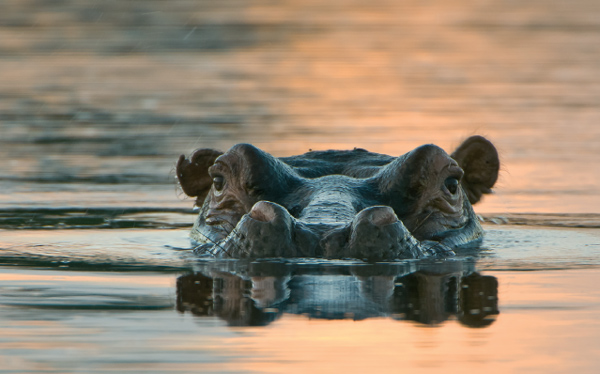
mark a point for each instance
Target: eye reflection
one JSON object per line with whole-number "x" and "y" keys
{"x": 219, "y": 183}
{"x": 452, "y": 185}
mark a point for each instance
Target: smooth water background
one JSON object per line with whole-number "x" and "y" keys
{"x": 98, "y": 99}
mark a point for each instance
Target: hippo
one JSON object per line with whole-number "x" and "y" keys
{"x": 338, "y": 204}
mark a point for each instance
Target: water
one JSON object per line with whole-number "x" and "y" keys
{"x": 99, "y": 99}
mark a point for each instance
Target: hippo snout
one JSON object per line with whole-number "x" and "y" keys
{"x": 374, "y": 234}
{"x": 377, "y": 216}
{"x": 265, "y": 211}
{"x": 266, "y": 231}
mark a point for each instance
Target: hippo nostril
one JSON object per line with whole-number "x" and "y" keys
{"x": 262, "y": 211}
{"x": 382, "y": 216}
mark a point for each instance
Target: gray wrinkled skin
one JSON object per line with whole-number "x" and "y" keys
{"x": 338, "y": 204}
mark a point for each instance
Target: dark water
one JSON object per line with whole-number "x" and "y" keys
{"x": 98, "y": 99}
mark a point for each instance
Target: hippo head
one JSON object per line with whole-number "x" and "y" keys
{"x": 338, "y": 204}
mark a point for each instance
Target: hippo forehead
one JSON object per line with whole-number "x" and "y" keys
{"x": 255, "y": 166}
{"x": 358, "y": 178}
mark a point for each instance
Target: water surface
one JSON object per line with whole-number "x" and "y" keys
{"x": 98, "y": 99}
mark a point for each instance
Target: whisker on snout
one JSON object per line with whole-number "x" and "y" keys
{"x": 419, "y": 224}
{"x": 211, "y": 251}
{"x": 236, "y": 233}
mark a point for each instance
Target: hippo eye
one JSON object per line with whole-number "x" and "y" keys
{"x": 219, "y": 183}
{"x": 451, "y": 184}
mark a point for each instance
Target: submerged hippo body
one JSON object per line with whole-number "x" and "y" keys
{"x": 338, "y": 204}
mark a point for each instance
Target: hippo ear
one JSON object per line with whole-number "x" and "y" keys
{"x": 478, "y": 157}
{"x": 193, "y": 172}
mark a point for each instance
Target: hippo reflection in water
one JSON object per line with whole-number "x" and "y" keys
{"x": 338, "y": 204}
{"x": 259, "y": 293}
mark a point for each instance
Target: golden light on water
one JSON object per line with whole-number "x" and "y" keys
{"x": 521, "y": 338}
{"x": 99, "y": 99}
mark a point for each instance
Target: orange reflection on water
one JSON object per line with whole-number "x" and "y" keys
{"x": 549, "y": 322}
{"x": 80, "y": 277}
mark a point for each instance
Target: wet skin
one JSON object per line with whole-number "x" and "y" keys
{"x": 338, "y": 204}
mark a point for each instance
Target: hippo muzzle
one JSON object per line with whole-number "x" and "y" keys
{"x": 338, "y": 204}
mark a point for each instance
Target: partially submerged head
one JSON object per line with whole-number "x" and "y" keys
{"x": 256, "y": 205}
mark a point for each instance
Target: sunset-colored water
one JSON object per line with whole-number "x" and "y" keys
{"x": 98, "y": 100}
